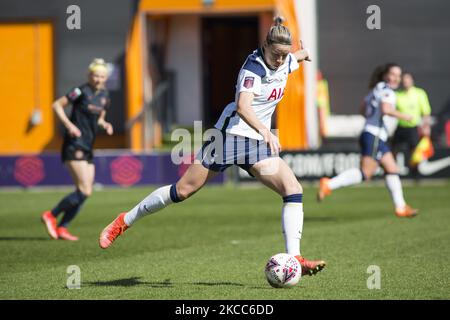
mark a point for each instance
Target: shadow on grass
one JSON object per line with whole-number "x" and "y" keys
{"x": 25, "y": 239}
{"x": 135, "y": 281}
{"x": 217, "y": 284}
{"x": 131, "y": 282}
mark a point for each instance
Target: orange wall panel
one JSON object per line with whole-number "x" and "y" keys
{"x": 291, "y": 110}
{"x": 26, "y": 84}
{"x": 135, "y": 78}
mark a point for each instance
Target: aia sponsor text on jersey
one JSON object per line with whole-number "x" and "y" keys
{"x": 277, "y": 93}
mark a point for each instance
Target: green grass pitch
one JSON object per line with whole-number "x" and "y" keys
{"x": 215, "y": 246}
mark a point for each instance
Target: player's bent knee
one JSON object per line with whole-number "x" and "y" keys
{"x": 86, "y": 190}
{"x": 363, "y": 175}
{"x": 88, "y": 193}
{"x": 367, "y": 175}
{"x": 392, "y": 170}
{"x": 185, "y": 191}
{"x": 293, "y": 187}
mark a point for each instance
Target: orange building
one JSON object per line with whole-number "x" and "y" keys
{"x": 178, "y": 64}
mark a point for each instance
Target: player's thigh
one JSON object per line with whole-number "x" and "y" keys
{"x": 368, "y": 166}
{"x": 275, "y": 173}
{"x": 388, "y": 163}
{"x": 193, "y": 179}
{"x": 82, "y": 173}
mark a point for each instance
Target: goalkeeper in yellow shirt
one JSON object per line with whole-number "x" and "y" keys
{"x": 413, "y": 101}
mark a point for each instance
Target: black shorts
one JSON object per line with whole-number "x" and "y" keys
{"x": 405, "y": 137}
{"x": 73, "y": 152}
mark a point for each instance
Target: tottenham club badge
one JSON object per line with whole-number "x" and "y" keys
{"x": 248, "y": 82}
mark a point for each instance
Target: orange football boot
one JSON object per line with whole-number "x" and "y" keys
{"x": 406, "y": 212}
{"x": 310, "y": 267}
{"x": 112, "y": 231}
{"x": 64, "y": 234}
{"x": 324, "y": 190}
{"x": 50, "y": 223}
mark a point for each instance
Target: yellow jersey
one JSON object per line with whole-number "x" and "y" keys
{"x": 414, "y": 102}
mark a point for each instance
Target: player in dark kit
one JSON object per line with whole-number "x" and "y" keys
{"x": 89, "y": 102}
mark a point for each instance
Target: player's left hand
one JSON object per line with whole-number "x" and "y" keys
{"x": 109, "y": 128}
{"x": 425, "y": 130}
{"x": 304, "y": 52}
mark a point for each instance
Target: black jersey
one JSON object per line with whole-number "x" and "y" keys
{"x": 87, "y": 106}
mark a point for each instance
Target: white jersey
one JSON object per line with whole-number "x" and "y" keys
{"x": 373, "y": 113}
{"x": 268, "y": 88}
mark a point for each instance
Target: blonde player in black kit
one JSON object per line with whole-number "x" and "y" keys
{"x": 89, "y": 101}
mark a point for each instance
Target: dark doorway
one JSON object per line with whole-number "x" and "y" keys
{"x": 226, "y": 44}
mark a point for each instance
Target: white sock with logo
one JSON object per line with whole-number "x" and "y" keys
{"x": 292, "y": 223}
{"x": 346, "y": 178}
{"x": 394, "y": 185}
{"x": 157, "y": 200}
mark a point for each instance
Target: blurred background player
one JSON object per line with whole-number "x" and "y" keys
{"x": 244, "y": 136}
{"x": 413, "y": 101}
{"x": 374, "y": 149}
{"x": 89, "y": 103}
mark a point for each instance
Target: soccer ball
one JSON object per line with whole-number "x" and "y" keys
{"x": 283, "y": 271}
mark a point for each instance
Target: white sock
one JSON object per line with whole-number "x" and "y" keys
{"x": 394, "y": 185}
{"x": 292, "y": 225}
{"x": 346, "y": 178}
{"x": 157, "y": 200}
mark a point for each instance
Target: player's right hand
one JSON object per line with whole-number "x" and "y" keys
{"x": 74, "y": 131}
{"x": 409, "y": 118}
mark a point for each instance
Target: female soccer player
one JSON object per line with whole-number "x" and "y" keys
{"x": 379, "y": 102}
{"x": 89, "y": 102}
{"x": 243, "y": 137}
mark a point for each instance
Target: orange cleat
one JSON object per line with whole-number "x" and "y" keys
{"x": 64, "y": 234}
{"x": 310, "y": 267}
{"x": 50, "y": 222}
{"x": 112, "y": 231}
{"x": 406, "y": 212}
{"x": 324, "y": 190}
